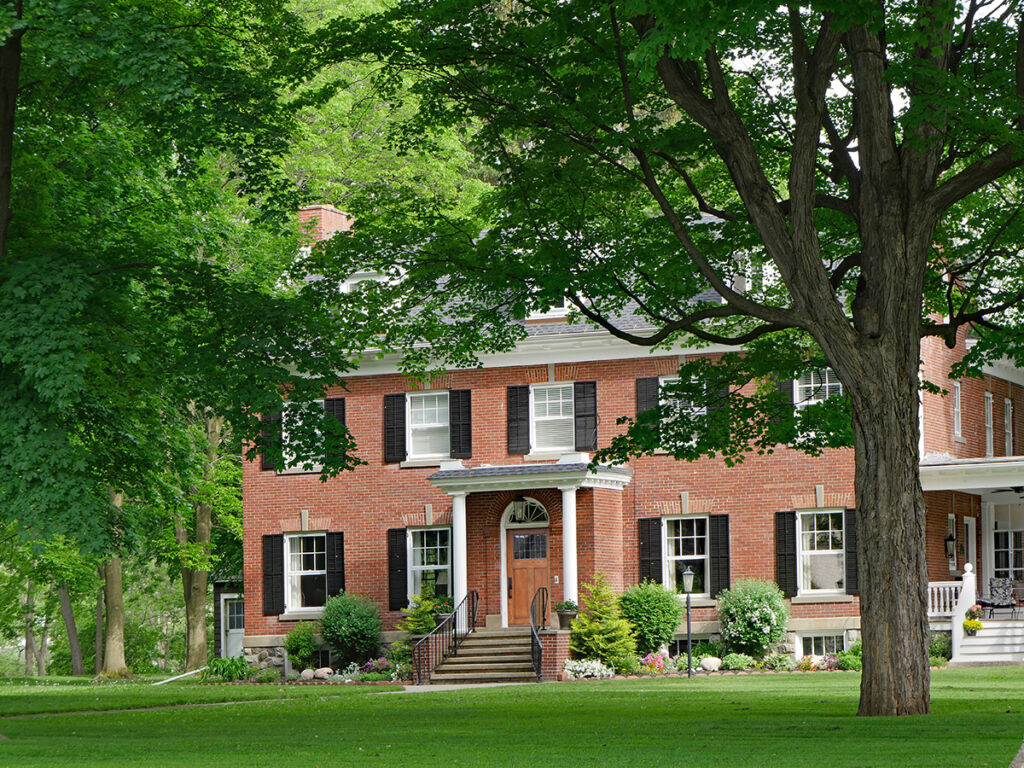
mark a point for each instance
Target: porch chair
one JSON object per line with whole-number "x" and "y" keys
{"x": 1000, "y": 595}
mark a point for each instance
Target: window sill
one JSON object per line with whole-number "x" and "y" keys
{"x": 959, "y": 439}
{"x": 434, "y": 462}
{"x": 300, "y": 471}
{"x": 805, "y": 599}
{"x": 697, "y": 602}
{"x": 546, "y": 455}
{"x": 308, "y": 613}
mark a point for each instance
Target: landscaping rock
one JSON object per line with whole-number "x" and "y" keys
{"x": 307, "y": 674}
{"x": 323, "y": 673}
{"x": 710, "y": 663}
{"x": 263, "y": 655}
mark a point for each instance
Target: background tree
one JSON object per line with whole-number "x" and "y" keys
{"x": 843, "y": 177}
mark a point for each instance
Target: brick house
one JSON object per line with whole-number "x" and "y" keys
{"x": 478, "y": 481}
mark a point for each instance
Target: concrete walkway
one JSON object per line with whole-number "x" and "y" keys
{"x": 452, "y": 687}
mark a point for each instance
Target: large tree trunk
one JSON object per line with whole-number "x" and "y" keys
{"x": 68, "y": 614}
{"x": 98, "y": 646}
{"x": 30, "y": 633}
{"x": 10, "y": 70}
{"x": 195, "y": 581}
{"x": 113, "y": 640}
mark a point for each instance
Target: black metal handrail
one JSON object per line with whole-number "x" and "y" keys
{"x": 444, "y": 639}
{"x": 538, "y": 616}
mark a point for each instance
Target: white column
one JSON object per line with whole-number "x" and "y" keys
{"x": 570, "y": 591}
{"x": 459, "y": 571}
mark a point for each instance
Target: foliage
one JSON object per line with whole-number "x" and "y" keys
{"x": 807, "y": 664}
{"x": 267, "y": 675}
{"x": 777, "y": 662}
{"x": 400, "y": 651}
{"x": 228, "y": 670}
{"x": 971, "y": 625}
{"x": 580, "y": 669}
{"x": 733, "y": 661}
{"x": 566, "y": 605}
{"x": 974, "y": 612}
{"x": 301, "y": 644}
{"x": 351, "y": 626}
{"x": 654, "y": 613}
{"x": 753, "y": 616}
{"x": 828, "y": 662}
{"x": 420, "y": 619}
{"x": 940, "y": 644}
{"x": 599, "y": 631}
{"x": 381, "y": 664}
{"x": 704, "y": 648}
{"x": 937, "y": 661}
{"x": 849, "y": 660}
{"x": 375, "y": 676}
{"x": 654, "y": 663}
{"x": 351, "y": 672}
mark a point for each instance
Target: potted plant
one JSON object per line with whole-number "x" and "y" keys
{"x": 443, "y": 608}
{"x": 971, "y": 626}
{"x": 566, "y": 611}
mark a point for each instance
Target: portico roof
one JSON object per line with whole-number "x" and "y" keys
{"x": 573, "y": 471}
{"x": 944, "y": 473}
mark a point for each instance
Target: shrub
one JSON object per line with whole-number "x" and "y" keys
{"x": 937, "y": 661}
{"x": 351, "y": 626}
{"x": 654, "y": 663}
{"x": 706, "y": 648}
{"x": 382, "y": 664}
{"x": 230, "y": 669}
{"x": 737, "y": 661}
{"x": 268, "y": 675}
{"x": 301, "y": 645}
{"x": 577, "y": 669}
{"x": 753, "y": 616}
{"x": 850, "y": 660}
{"x": 654, "y": 613}
{"x": 367, "y": 677}
{"x": 399, "y": 652}
{"x": 351, "y": 672}
{"x": 940, "y": 644}
{"x": 829, "y": 662}
{"x": 807, "y": 663}
{"x": 420, "y": 619}
{"x": 777, "y": 662}
{"x": 599, "y": 631}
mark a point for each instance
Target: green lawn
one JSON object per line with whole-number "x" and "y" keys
{"x": 777, "y": 720}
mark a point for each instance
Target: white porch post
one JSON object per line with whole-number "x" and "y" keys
{"x": 570, "y": 590}
{"x": 460, "y": 570}
{"x": 988, "y": 546}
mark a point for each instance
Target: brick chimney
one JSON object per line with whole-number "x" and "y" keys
{"x": 320, "y": 222}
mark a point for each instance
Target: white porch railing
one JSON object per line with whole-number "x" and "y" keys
{"x": 942, "y": 597}
{"x": 968, "y": 596}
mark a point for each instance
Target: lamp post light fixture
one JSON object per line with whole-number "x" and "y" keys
{"x": 688, "y": 588}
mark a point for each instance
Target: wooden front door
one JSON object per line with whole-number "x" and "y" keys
{"x": 527, "y": 550}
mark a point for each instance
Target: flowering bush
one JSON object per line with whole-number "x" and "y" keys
{"x": 753, "y": 616}
{"x": 829, "y": 662}
{"x": 382, "y": 664}
{"x": 807, "y": 664}
{"x": 577, "y": 669}
{"x": 654, "y": 663}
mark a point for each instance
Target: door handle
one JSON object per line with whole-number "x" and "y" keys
{"x": 509, "y": 587}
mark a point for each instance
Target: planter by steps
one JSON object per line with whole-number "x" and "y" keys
{"x": 565, "y": 619}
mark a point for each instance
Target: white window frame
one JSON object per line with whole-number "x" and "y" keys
{"x": 667, "y": 570}
{"x": 1014, "y": 569}
{"x": 801, "y": 590}
{"x": 290, "y": 574}
{"x": 958, "y": 420}
{"x": 816, "y": 393}
{"x": 535, "y": 447}
{"x": 1007, "y": 426}
{"x": 812, "y": 636}
{"x": 410, "y": 427}
{"x": 989, "y": 431}
{"x": 412, "y": 569}
{"x": 951, "y": 531}
{"x": 552, "y": 312}
{"x": 286, "y": 456}
{"x": 700, "y": 410}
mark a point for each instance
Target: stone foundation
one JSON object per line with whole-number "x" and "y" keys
{"x": 264, "y": 658}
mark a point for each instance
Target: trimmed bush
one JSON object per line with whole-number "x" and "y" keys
{"x": 599, "y": 631}
{"x": 654, "y": 613}
{"x": 351, "y": 627}
{"x": 301, "y": 645}
{"x": 737, "y": 661}
{"x": 753, "y": 616}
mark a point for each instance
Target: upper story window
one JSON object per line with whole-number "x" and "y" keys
{"x": 677, "y": 402}
{"x": 428, "y": 425}
{"x": 821, "y": 553}
{"x": 816, "y": 386}
{"x": 686, "y": 545}
{"x": 281, "y": 428}
{"x": 958, "y": 421}
{"x": 559, "y": 308}
{"x": 305, "y": 572}
{"x": 552, "y": 425}
{"x": 1008, "y": 427}
{"x": 989, "y": 439}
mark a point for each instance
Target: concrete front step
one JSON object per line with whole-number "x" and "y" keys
{"x": 518, "y": 658}
{"x": 450, "y": 669}
{"x": 493, "y": 650}
{"x": 482, "y": 677}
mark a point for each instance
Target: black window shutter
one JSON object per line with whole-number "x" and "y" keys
{"x": 718, "y": 532}
{"x": 585, "y": 414}
{"x": 394, "y": 428}
{"x": 788, "y": 388}
{"x": 398, "y": 585}
{"x": 335, "y": 406}
{"x": 649, "y": 547}
{"x": 460, "y": 426}
{"x": 646, "y": 394}
{"x": 519, "y": 420}
{"x": 271, "y": 435}
{"x": 719, "y": 403}
{"x": 273, "y": 574}
{"x": 850, "y": 537}
{"x": 785, "y": 552}
{"x": 335, "y": 563}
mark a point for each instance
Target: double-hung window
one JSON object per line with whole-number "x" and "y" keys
{"x": 430, "y": 560}
{"x": 958, "y": 422}
{"x": 305, "y": 573}
{"x": 552, "y": 425}
{"x": 428, "y": 422}
{"x": 1007, "y": 427}
{"x": 989, "y": 437}
{"x": 821, "y": 553}
{"x": 686, "y": 545}
{"x": 1008, "y": 551}
{"x": 817, "y": 386}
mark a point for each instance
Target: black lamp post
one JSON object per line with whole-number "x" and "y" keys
{"x": 688, "y": 588}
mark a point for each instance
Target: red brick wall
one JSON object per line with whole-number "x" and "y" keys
{"x": 319, "y": 222}
{"x": 554, "y": 652}
{"x": 940, "y": 505}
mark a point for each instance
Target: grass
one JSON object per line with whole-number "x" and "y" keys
{"x": 771, "y": 720}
